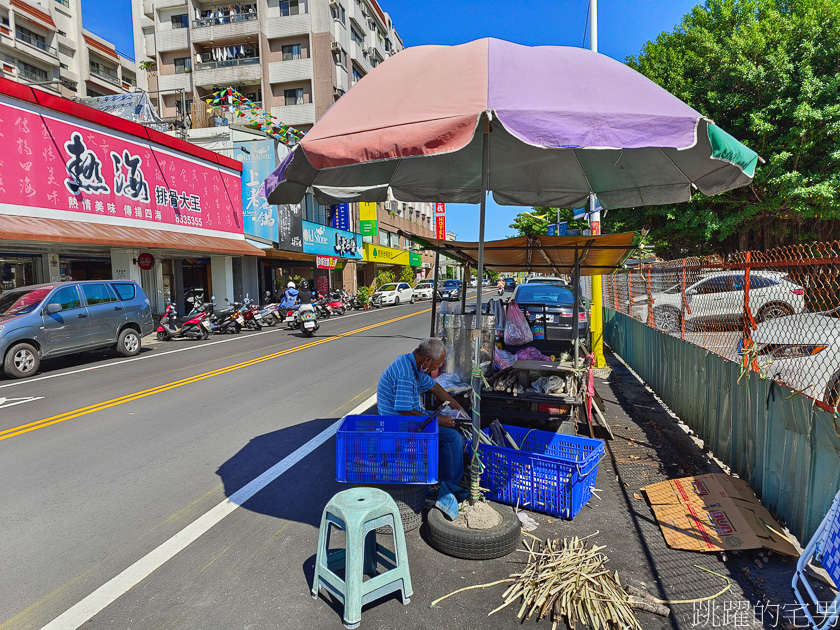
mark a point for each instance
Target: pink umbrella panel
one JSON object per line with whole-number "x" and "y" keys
{"x": 564, "y": 123}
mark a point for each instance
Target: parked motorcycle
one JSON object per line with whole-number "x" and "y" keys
{"x": 376, "y": 300}
{"x": 322, "y": 308}
{"x": 227, "y": 320}
{"x": 336, "y": 303}
{"x": 193, "y": 328}
{"x": 251, "y": 314}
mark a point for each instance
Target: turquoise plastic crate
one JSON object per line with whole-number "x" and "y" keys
{"x": 386, "y": 449}
{"x": 550, "y": 473}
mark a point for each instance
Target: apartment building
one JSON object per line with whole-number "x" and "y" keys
{"x": 44, "y": 42}
{"x": 292, "y": 57}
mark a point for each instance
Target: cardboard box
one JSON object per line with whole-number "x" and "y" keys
{"x": 715, "y": 513}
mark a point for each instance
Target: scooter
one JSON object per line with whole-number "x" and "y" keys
{"x": 322, "y": 308}
{"x": 307, "y": 322}
{"x": 197, "y": 327}
{"x": 251, "y": 314}
{"x": 500, "y": 290}
{"x": 336, "y": 303}
{"x": 226, "y": 321}
{"x": 376, "y": 300}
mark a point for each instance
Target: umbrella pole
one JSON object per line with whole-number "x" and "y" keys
{"x": 434, "y": 291}
{"x": 576, "y": 293}
{"x": 476, "y": 374}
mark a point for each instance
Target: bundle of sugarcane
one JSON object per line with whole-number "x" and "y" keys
{"x": 569, "y": 580}
{"x": 493, "y": 379}
{"x": 506, "y": 382}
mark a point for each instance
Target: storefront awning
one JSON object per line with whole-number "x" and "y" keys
{"x": 17, "y": 228}
{"x": 599, "y": 255}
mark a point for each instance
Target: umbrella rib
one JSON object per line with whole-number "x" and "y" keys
{"x": 583, "y": 172}
{"x": 679, "y": 170}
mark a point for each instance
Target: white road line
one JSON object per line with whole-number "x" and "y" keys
{"x": 160, "y": 354}
{"x": 11, "y": 402}
{"x": 109, "y": 592}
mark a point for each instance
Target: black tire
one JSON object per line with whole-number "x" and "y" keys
{"x": 409, "y": 499}
{"x": 237, "y": 328}
{"x": 128, "y": 343}
{"x": 162, "y": 336}
{"x": 397, "y": 301}
{"x": 667, "y": 319}
{"x": 205, "y": 334}
{"x": 471, "y": 544}
{"x": 774, "y": 311}
{"x": 308, "y": 333}
{"x": 413, "y": 299}
{"x": 21, "y": 360}
{"x": 340, "y": 311}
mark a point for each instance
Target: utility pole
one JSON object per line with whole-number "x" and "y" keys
{"x": 597, "y": 318}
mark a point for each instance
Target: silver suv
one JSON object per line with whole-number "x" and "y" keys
{"x": 50, "y": 320}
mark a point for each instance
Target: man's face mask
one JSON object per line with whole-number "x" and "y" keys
{"x": 431, "y": 367}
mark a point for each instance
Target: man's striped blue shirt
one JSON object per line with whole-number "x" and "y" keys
{"x": 400, "y": 386}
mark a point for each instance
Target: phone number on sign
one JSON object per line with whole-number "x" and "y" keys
{"x": 196, "y": 221}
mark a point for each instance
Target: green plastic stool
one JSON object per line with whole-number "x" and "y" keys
{"x": 359, "y": 512}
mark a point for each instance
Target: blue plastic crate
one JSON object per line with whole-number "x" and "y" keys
{"x": 386, "y": 449}
{"x": 550, "y": 473}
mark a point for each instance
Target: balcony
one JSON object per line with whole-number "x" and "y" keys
{"x": 295, "y": 114}
{"x": 36, "y": 49}
{"x": 174, "y": 82}
{"x": 220, "y": 29}
{"x": 277, "y": 25}
{"x": 174, "y": 39}
{"x": 292, "y": 70}
{"x": 231, "y": 72}
{"x": 107, "y": 76}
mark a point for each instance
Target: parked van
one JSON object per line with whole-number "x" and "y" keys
{"x": 43, "y": 321}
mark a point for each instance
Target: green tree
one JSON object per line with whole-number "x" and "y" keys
{"x": 768, "y": 72}
{"x": 535, "y": 222}
{"x": 407, "y": 275}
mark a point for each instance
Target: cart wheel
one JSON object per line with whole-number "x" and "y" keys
{"x": 474, "y": 544}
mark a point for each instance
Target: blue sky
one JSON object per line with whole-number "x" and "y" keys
{"x": 623, "y": 28}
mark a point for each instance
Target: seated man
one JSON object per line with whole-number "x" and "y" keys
{"x": 398, "y": 393}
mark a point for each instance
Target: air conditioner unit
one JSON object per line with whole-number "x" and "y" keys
{"x": 338, "y": 92}
{"x": 369, "y": 50}
{"x": 364, "y": 11}
{"x": 335, "y": 46}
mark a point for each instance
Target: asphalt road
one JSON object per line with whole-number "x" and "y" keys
{"x": 106, "y": 461}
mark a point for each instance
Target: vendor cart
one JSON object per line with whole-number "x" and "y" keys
{"x": 509, "y": 395}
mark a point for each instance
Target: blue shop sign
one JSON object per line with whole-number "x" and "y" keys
{"x": 340, "y": 216}
{"x": 259, "y": 217}
{"x": 327, "y": 241}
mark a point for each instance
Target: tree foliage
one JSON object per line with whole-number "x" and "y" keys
{"x": 768, "y": 72}
{"x": 535, "y": 222}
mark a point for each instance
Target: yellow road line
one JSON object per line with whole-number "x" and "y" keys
{"x": 69, "y": 415}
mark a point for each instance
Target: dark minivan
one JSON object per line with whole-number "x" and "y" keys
{"x": 50, "y": 320}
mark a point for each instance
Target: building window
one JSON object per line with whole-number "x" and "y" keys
{"x": 24, "y": 34}
{"x": 31, "y": 72}
{"x": 294, "y": 97}
{"x": 291, "y": 52}
{"x": 340, "y": 14}
{"x": 356, "y": 37}
{"x": 289, "y": 7}
{"x": 314, "y": 212}
{"x": 60, "y": 32}
{"x": 93, "y": 93}
{"x": 182, "y": 64}
{"x": 63, "y": 66}
{"x": 357, "y": 76}
{"x": 4, "y": 20}
{"x": 66, "y": 3}
{"x": 180, "y": 21}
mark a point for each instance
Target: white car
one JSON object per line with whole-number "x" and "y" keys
{"x": 395, "y": 293}
{"x": 544, "y": 280}
{"x": 803, "y": 352}
{"x": 719, "y": 297}
{"x": 423, "y": 291}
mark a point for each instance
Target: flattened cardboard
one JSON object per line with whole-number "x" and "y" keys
{"x": 714, "y": 513}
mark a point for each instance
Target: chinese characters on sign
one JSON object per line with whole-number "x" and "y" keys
{"x": 71, "y": 166}
{"x": 440, "y": 221}
{"x": 327, "y": 241}
{"x": 258, "y": 158}
{"x": 326, "y": 262}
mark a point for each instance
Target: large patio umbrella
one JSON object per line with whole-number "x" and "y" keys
{"x": 546, "y": 125}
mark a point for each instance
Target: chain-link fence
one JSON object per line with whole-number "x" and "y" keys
{"x": 777, "y": 313}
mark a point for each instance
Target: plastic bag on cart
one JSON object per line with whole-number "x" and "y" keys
{"x": 530, "y": 354}
{"x": 502, "y": 359}
{"x": 517, "y": 330}
{"x": 451, "y": 383}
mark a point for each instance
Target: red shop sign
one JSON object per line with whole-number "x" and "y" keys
{"x": 145, "y": 261}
